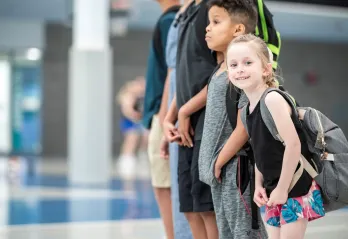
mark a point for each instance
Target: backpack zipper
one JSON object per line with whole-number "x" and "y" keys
{"x": 321, "y": 135}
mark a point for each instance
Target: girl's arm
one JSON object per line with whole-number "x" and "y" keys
{"x": 260, "y": 195}
{"x": 281, "y": 113}
{"x": 258, "y": 178}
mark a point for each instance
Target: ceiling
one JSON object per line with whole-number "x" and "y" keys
{"x": 294, "y": 20}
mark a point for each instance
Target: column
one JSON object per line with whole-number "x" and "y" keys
{"x": 90, "y": 94}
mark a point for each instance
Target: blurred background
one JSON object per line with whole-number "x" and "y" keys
{"x": 42, "y": 188}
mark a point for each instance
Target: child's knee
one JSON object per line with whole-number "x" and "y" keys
{"x": 208, "y": 215}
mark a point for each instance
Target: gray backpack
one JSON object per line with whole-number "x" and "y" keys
{"x": 326, "y": 142}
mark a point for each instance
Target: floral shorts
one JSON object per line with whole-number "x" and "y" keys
{"x": 308, "y": 207}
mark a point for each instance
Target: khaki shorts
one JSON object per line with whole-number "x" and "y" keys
{"x": 160, "y": 169}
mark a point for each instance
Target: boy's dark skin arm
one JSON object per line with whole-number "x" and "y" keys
{"x": 170, "y": 131}
{"x": 193, "y": 105}
{"x": 234, "y": 143}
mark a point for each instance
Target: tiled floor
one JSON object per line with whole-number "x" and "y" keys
{"x": 43, "y": 206}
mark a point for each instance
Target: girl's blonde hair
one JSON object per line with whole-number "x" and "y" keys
{"x": 263, "y": 52}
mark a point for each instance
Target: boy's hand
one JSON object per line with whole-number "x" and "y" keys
{"x": 171, "y": 132}
{"x": 260, "y": 196}
{"x": 185, "y": 128}
{"x": 164, "y": 148}
{"x": 217, "y": 171}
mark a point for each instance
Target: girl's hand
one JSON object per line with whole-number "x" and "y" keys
{"x": 260, "y": 196}
{"x": 278, "y": 196}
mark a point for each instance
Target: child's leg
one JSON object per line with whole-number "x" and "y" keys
{"x": 202, "y": 198}
{"x": 273, "y": 232}
{"x": 131, "y": 137}
{"x": 197, "y": 225}
{"x": 130, "y": 143}
{"x": 295, "y": 229}
{"x": 181, "y": 226}
{"x": 185, "y": 193}
{"x": 272, "y": 221}
{"x": 296, "y": 213}
{"x": 160, "y": 177}
{"x": 237, "y": 208}
{"x": 222, "y": 223}
{"x": 164, "y": 203}
{"x": 210, "y": 225}
{"x": 126, "y": 162}
{"x": 144, "y": 140}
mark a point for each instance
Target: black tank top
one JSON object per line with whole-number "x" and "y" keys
{"x": 269, "y": 152}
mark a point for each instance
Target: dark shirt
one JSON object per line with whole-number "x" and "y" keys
{"x": 156, "y": 70}
{"x": 195, "y": 62}
{"x": 269, "y": 153}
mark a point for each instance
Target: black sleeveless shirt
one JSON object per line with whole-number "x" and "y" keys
{"x": 269, "y": 152}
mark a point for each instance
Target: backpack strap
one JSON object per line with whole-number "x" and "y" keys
{"x": 232, "y": 99}
{"x": 213, "y": 73}
{"x": 243, "y": 117}
{"x": 254, "y": 208}
{"x": 266, "y": 30}
{"x": 267, "y": 117}
{"x": 270, "y": 124}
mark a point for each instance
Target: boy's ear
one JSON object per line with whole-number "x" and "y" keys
{"x": 239, "y": 30}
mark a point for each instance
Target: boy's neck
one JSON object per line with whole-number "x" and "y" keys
{"x": 220, "y": 57}
{"x": 224, "y": 54}
{"x": 198, "y": 1}
{"x": 165, "y": 4}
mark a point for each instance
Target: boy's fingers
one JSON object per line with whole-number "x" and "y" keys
{"x": 217, "y": 174}
{"x": 173, "y": 138}
{"x": 184, "y": 140}
{"x": 176, "y": 137}
{"x": 189, "y": 140}
{"x": 192, "y": 132}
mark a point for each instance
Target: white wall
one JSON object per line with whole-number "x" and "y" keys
{"x": 51, "y": 10}
{"x": 19, "y": 34}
